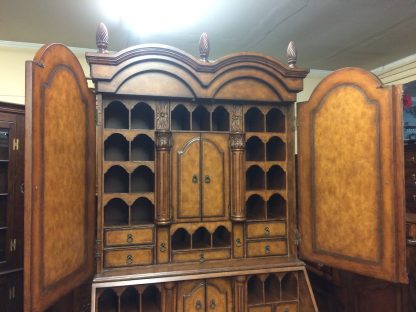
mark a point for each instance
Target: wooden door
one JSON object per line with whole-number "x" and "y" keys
{"x": 218, "y": 295}
{"x": 350, "y": 176}
{"x": 191, "y": 296}
{"x": 214, "y": 176}
{"x": 187, "y": 176}
{"x": 59, "y": 177}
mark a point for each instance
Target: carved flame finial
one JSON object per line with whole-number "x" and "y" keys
{"x": 292, "y": 54}
{"x": 101, "y": 38}
{"x": 204, "y": 47}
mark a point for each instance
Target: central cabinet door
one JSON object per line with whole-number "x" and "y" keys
{"x": 201, "y": 177}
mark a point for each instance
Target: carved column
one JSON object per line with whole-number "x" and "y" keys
{"x": 237, "y": 146}
{"x": 163, "y": 146}
{"x": 240, "y": 295}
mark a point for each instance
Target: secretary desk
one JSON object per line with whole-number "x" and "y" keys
{"x": 172, "y": 184}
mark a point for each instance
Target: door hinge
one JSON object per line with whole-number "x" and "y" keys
{"x": 297, "y": 237}
{"x": 15, "y": 144}
{"x": 13, "y": 243}
{"x": 12, "y": 293}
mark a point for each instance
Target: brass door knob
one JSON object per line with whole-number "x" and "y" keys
{"x": 162, "y": 247}
{"x": 238, "y": 242}
{"x": 207, "y": 179}
{"x": 213, "y": 304}
{"x": 194, "y": 179}
{"x": 198, "y": 305}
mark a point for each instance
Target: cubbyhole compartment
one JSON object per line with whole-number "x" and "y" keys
{"x": 4, "y": 171}
{"x": 142, "y": 180}
{"x": 276, "y": 207}
{"x": 116, "y": 148}
{"x": 275, "y": 121}
{"x": 289, "y": 285}
{"x": 255, "y": 178}
{"x": 254, "y": 290}
{"x": 276, "y": 178}
{"x": 254, "y": 120}
{"x": 254, "y": 149}
{"x": 3, "y": 210}
{"x": 116, "y": 212}
{"x": 151, "y": 299}
{"x": 142, "y": 117}
{"x": 272, "y": 288}
{"x": 108, "y": 301}
{"x": 220, "y": 119}
{"x": 200, "y": 119}
{"x": 181, "y": 240}
{"x": 130, "y": 300}
{"x": 142, "y": 211}
{"x": 221, "y": 237}
{"x": 180, "y": 119}
{"x": 4, "y": 144}
{"x": 255, "y": 208}
{"x": 3, "y": 238}
{"x": 142, "y": 148}
{"x": 116, "y": 180}
{"x": 116, "y": 116}
{"x": 201, "y": 238}
{"x": 276, "y": 149}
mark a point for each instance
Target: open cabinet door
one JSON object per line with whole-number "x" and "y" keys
{"x": 351, "y": 176}
{"x": 59, "y": 177}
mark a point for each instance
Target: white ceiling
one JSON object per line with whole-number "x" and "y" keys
{"x": 329, "y": 34}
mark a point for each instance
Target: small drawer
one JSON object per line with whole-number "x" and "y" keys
{"x": 266, "y": 248}
{"x": 128, "y": 257}
{"x": 201, "y": 255}
{"x": 266, "y": 229}
{"x": 260, "y": 309}
{"x": 129, "y": 237}
{"x": 287, "y": 307}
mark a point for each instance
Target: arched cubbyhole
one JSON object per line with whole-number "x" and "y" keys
{"x": 200, "y": 119}
{"x": 254, "y": 120}
{"x": 142, "y": 117}
{"x": 276, "y": 207}
{"x": 255, "y": 178}
{"x": 116, "y": 180}
{"x": 108, "y": 301}
{"x": 180, "y": 119}
{"x": 116, "y": 148}
{"x": 151, "y": 299}
{"x": 254, "y": 149}
{"x": 201, "y": 238}
{"x": 272, "y": 288}
{"x": 220, "y": 119}
{"x": 255, "y": 208}
{"x": 254, "y": 290}
{"x": 221, "y": 237}
{"x": 181, "y": 239}
{"x": 130, "y": 300}
{"x": 276, "y": 178}
{"x": 116, "y": 116}
{"x": 142, "y": 180}
{"x": 275, "y": 121}
{"x": 142, "y": 211}
{"x": 289, "y": 285}
{"x": 276, "y": 149}
{"x": 116, "y": 212}
{"x": 142, "y": 148}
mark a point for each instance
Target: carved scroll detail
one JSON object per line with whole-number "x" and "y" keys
{"x": 163, "y": 140}
{"x": 237, "y": 141}
{"x": 237, "y": 118}
{"x": 162, "y": 116}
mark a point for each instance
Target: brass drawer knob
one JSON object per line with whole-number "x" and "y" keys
{"x": 130, "y": 238}
{"x": 194, "y": 179}
{"x": 129, "y": 259}
{"x": 213, "y": 304}
{"x": 198, "y": 305}
{"x": 162, "y": 247}
{"x": 207, "y": 179}
{"x": 201, "y": 258}
{"x": 238, "y": 242}
{"x": 267, "y": 231}
{"x": 267, "y": 249}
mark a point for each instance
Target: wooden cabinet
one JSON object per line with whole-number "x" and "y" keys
{"x": 195, "y": 180}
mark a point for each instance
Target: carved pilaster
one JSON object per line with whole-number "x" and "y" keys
{"x": 169, "y": 297}
{"x": 237, "y": 118}
{"x": 237, "y": 145}
{"x": 162, "y": 116}
{"x": 163, "y": 146}
{"x": 240, "y": 294}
